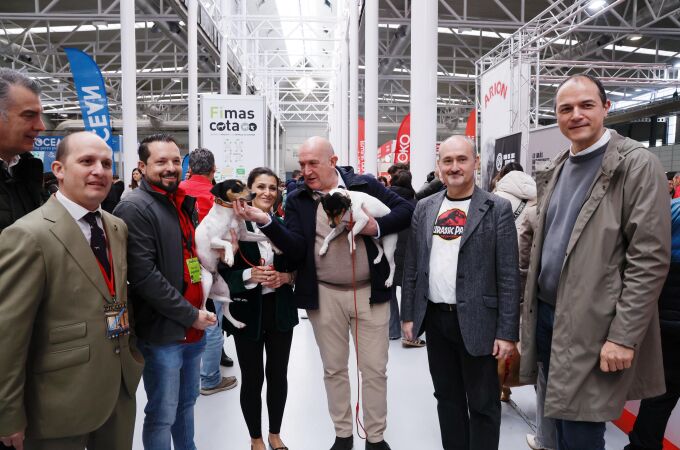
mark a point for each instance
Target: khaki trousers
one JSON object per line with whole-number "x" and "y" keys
{"x": 332, "y": 324}
{"x": 115, "y": 434}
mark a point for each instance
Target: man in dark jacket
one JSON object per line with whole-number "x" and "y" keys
{"x": 327, "y": 291}
{"x": 20, "y": 124}
{"x": 166, "y": 296}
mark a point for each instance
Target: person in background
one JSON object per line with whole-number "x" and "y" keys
{"x": 652, "y": 418}
{"x": 292, "y": 184}
{"x": 166, "y": 295}
{"x": 21, "y": 174}
{"x": 432, "y": 185}
{"x": 383, "y": 181}
{"x": 676, "y": 184}
{"x": 115, "y": 194}
{"x": 519, "y": 188}
{"x": 269, "y": 312}
{"x": 202, "y": 166}
{"x": 134, "y": 182}
{"x": 397, "y": 167}
{"x": 401, "y": 185}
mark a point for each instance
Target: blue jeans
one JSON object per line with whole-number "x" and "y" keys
{"x": 210, "y": 360}
{"x": 171, "y": 380}
{"x": 571, "y": 434}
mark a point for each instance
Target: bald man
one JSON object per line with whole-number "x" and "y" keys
{"x": 69, "y": 372}
{"x": 324, "y": 285}
{"x": 461, "y": 286}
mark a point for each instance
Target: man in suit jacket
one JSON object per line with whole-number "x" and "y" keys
{"x": 461, "y": 286}
{"x": 69, "y": 373}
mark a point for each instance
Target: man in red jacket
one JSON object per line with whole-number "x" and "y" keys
{"x": 202, "y": 167}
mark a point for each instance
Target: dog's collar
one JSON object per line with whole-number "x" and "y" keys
{"x": 221, "y": 202}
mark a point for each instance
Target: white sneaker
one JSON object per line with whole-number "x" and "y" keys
{"x": 531, "y": 441}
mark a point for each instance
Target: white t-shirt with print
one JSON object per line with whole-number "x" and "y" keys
{"x": 446, "y": 235}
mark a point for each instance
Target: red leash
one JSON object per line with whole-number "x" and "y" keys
{"x": 262, "y": 261}
{"x": 360, "y": 425}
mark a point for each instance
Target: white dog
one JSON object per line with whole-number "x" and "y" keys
{"x": 213, "y": 237}
{"x": 338, "y": 204}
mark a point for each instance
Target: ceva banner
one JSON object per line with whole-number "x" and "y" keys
{"x": 91, "y": 94}
{"x": 361, "y": 151}
{"x": 402, "y": 153}
{"x": 45, "y": 149}
{"x": 234, "y": 128}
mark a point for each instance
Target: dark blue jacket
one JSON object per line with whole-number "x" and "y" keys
{"x": 296, "y": 238}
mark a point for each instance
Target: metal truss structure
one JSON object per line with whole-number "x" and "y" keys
{"x": 632, "y": 44}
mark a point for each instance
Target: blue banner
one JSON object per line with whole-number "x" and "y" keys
{"x": 91, "y": 94}
{"x": 45, "y": 148}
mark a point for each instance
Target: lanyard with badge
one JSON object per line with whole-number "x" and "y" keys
{"x": 192, "y": 262}
{"x": 117, "y": 321}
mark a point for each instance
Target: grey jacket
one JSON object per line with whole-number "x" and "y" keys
{"x": 487, "y": 285}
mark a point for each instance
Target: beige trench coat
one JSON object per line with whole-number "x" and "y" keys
{"x": 615, "y": 265}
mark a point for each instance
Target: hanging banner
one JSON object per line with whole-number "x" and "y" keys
{"x": 502, "y": 100}
{"x": 385, "y": 151}
{"x": 361, "y": 150}
{"x": 402, "y": 154}
{"x": 471, "y": 124}
{"x": 91, "y": 94}
{"x": 45, "y": 149}
{"x": 233, "y": 127}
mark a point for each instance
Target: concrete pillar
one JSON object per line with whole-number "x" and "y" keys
{"x": 353, "y": 141}
{"x": 371, "y": 84}
{"x": 192, "y": 50}
{"x": 423, "y": 89}
{"x": 244, "y": 45}
{"x": 128, "y": 88}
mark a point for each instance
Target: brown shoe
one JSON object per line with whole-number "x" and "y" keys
{"x": 226, "y": 384}
{"x": 505, "y": 394}
{"x": 413, "y": 343}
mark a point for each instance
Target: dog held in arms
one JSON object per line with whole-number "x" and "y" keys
{"x": 213, "y": 241}
{"x": 341, "y": 206}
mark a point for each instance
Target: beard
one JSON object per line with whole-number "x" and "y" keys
{"x": 167, "y": 188}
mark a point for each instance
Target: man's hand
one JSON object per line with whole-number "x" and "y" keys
{"x": 205, "y": 319}
{"x": 615, "y": 357}
{"x": 15, "y": 440}
{"x": 407, "y": 330}
{"x": 503, "y": 350}
{"x": 247, "y": 212}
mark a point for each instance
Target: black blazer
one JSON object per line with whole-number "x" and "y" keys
{"x": 246, "y": 305}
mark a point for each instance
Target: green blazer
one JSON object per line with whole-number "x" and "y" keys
{"x": 247, "y": 303}
{"x": 60, "y": 375}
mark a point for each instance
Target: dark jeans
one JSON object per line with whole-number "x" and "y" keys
{"x": 395, "y": 323}
{"x": 571, "y": 435}
{"x": 250, "y": 357}
{"x": 465, "y": 386}
{"x": 654, "y": 412}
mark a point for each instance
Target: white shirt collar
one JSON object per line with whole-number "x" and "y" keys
{"x": 12, "y": 162}
{"x": 600, "y": 142}
{"x": 76, "y": 211}
{"x": 340, "y": 184}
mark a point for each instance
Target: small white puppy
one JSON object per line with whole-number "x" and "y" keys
{"x": 338, "y": 204}
{"x": 213, "y": 237}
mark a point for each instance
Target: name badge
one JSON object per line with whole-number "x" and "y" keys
{"x": 194, "y": 270}
{"x": 117, "y": 322}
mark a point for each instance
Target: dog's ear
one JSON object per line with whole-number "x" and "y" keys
{"x": 217, "y": 190}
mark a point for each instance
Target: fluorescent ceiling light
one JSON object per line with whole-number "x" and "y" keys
{"x": 596, "y": 5}
{"x": 634, "y": 37}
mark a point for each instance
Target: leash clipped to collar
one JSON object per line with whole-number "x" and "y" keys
{"x": 221, "y": 202}
{"x": 360, "y": 425}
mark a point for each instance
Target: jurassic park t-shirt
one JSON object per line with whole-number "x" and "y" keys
{"x": 447, "y": 232}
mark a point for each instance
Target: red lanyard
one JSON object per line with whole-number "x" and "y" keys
{"x": 109, "y": 278}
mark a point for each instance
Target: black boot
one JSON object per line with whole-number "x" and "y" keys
{"x": 382, "y": 445}
{"x": 346, "y": 443}
{"x": 225, "y": 360}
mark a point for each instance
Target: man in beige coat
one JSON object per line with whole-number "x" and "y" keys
{"x": 69, "y": 374}
{"x": 599, "y": 259}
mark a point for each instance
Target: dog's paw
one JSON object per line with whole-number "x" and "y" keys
{"x": 239, "y": 325}
{"x": 228, "y": 258}
{"x": 377, "y": 260}
{"x": 323, "y": 250}
{"x": 389, "y": 282}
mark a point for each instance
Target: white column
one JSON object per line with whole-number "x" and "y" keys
{"x": 278, "y": 131}
{"x": 423, "y": 89}
{"x": 224, "y": 48}
{"x": 272, "y": 151}
{"x": 244, "y": 46}
{"x": 128, "y": 88}
{"x": 344, "y": 104}
{"x": 371, "y": 84}
{"x": 353, "y": 142}
{"x": 192, "y": 50}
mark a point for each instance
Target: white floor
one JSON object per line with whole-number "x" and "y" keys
{"x": 412, "y": 419}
